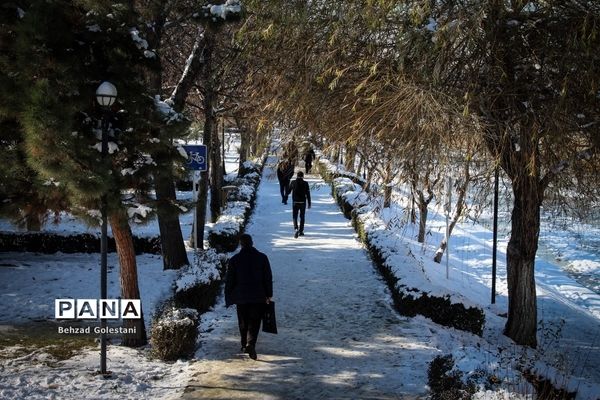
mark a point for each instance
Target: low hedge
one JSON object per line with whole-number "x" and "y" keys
{"x": 409, "y": 301}
{"x": 225, "y": 234}
{"x": 198, "y": 285}
{"x": 48, "y": 243}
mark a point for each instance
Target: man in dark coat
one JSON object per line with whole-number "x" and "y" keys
{"x": 300, "y": 197}
{"x": 249, "y": 285}
{"x": 285, "y": 172}
{"x": 309, "y": 156}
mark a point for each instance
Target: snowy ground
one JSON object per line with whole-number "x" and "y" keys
{"x": 29, "y": 283}
{"x": 135, "y": 376}
{"x": 568, "y": 312}
{"x": 339, "y": 337}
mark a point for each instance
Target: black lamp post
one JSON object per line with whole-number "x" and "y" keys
{"x": 106, "y": 95}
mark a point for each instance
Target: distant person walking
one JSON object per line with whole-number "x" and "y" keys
{"x": 290, "y": 153}
{"x": 249, "y": 285}
{"x": 300, "y": 197}
{"x": 285, "y": 173}
{"x": 309, "y": 156}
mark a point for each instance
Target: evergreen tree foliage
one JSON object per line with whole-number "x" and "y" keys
{"x": 63, "y": 51}
{"x": 25, "y": 197}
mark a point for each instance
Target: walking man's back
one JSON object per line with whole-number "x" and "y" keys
{"x": 300, "y": 198}
{"x": 249, "y": 285}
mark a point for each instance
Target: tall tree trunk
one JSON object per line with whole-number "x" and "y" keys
{"x": 171, "y": 237}
{"x": 423, "y": 203}
{"x": 337, "y": 154}
{"x": 244, "y": 144}
{"x": 254, "y": 142}
{"x": 211, "y": 134}
{"x": 521, "y": 325}
{"x": 361, "y": 163}
{"x": 223, "y": 166}
{"x": 350, "y": 157}
{"x": 129, "y": 280}
{"x": 423, "y": 213}
{"x": 201, "y": 210}
{"x": 216, "y": 174}
{"x": 370, "y": 172}
{"x": 413, "y": 209}
{"x": 387, "y": 186}
{"x": 206, "y": 139}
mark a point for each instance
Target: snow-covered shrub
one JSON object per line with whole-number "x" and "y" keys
{"x": 174, "y": 332}
{"x": 349, "y": 195}
{"x": 197, "y": 285}
{"x": 250, "y": 170}
{"x": 445, "y": 382}
{"x": 244, "y": 192}
{"x": 329, "y": 172}
{"x": 397, "y": 265}
{"x": 224, "y": 235}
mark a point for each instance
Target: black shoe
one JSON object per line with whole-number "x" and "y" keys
{"x": 301, "y": 233}
{"x": 243, "y": 349}
{"x": 296, "y": 234}
{"x": 251, "y": 352}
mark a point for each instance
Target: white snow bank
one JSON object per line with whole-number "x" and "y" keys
{"x": 134, "y": 375}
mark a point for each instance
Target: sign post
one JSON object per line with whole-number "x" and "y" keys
{"x": 196, "y": 161}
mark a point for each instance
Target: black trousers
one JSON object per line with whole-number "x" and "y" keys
{"x": 299, "y": 208}
{"x": 249, "y": 319}
{"x": 308, "y": 166}
{"x": 283, "y": 188}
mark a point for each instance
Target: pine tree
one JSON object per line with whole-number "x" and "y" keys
{"x": 25, "y": 197}
{"x": 64, "y": 51}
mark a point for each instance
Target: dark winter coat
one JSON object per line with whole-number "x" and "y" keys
{"x": 300, "y": 191}
{"x": 309, "y": 156}
{"x": 285, "y": 172}
{"x": 249, "y": 278}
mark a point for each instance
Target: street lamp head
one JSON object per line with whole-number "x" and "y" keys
{"x": 106, "y": 94}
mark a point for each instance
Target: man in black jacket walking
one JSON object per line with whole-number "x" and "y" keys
{"x": 309, "y": 156}
{"x": 300, "y": 197}
{"x": 249, "y": 285}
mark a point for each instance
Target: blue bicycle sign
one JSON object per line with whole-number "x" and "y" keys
{"x": 196, "y": 157}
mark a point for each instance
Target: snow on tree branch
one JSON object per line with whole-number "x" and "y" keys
{"x": 232, "y": 9}
{"x": 165, "y": 109}
{"x": 141, "y": 43}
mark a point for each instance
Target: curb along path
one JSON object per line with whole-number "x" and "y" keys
{"x": 338, "y": 336}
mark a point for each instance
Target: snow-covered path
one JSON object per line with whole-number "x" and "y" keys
{"x": 338, "y": 336}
